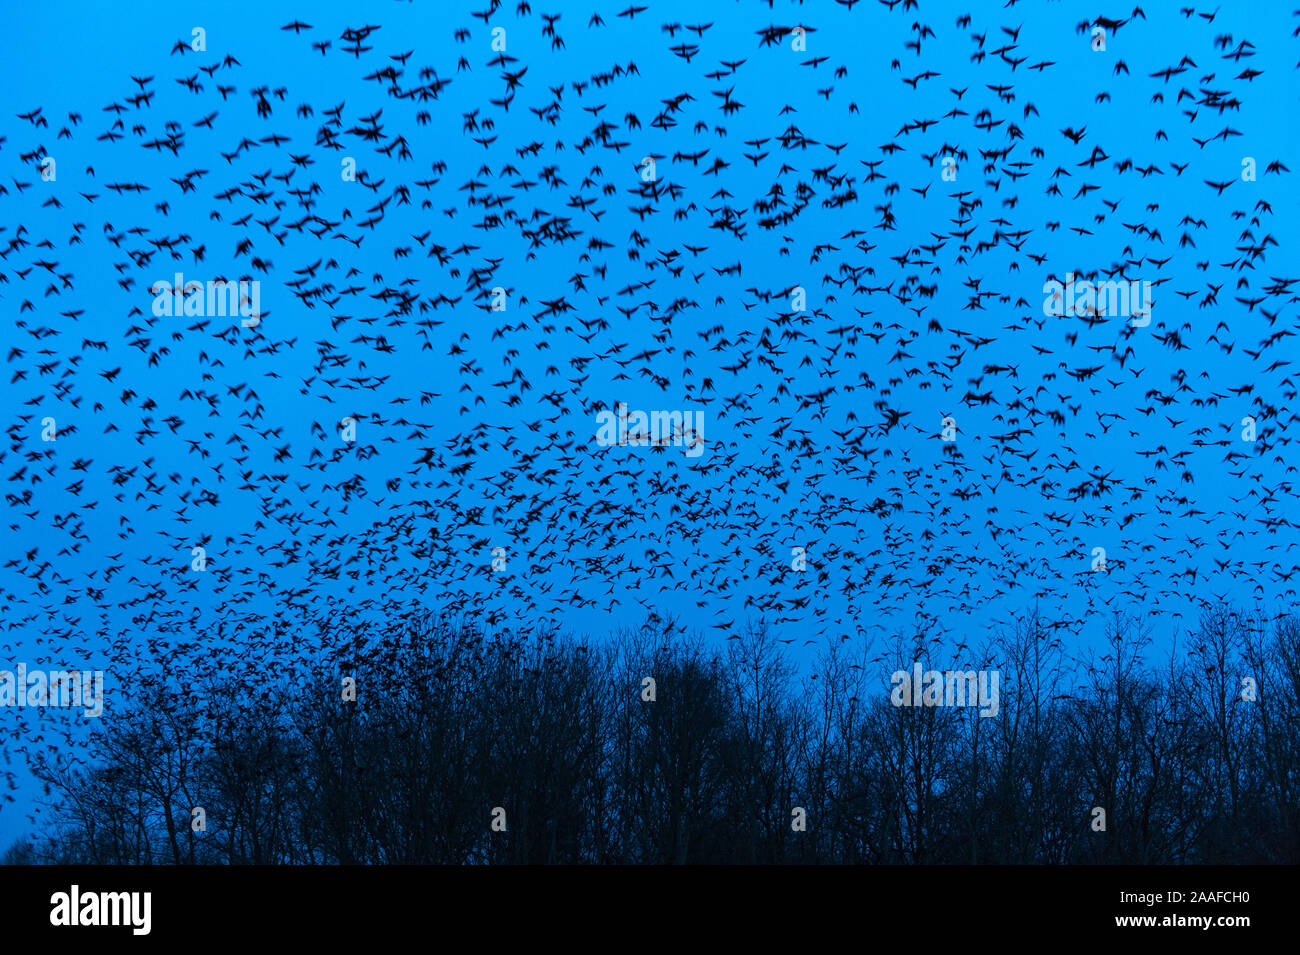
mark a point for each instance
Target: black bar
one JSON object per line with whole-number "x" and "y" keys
{"x": 911, "y": 905}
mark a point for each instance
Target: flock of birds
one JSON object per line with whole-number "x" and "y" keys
{"x": 828, "y": 235}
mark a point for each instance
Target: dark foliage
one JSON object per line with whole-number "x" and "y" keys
{"x": 446, "y": 726}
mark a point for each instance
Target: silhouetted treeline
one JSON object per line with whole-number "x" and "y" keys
{"x": 447, "y": 726}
